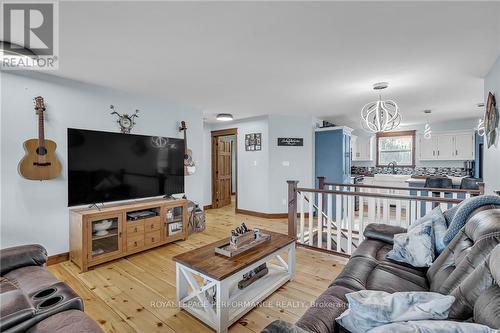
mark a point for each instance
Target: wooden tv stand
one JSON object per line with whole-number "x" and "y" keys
{"x": 100, "y": 235}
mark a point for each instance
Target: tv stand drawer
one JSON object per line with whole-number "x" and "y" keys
{"x": 152, "y": 224}
{"x": 135, "y": 242}
{"x": 135, "y": 228}
{"x": 153, "y": 237}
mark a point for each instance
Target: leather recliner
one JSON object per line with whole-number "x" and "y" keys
{"x": 35, "y": 301}
{"x": 466, "y": 269}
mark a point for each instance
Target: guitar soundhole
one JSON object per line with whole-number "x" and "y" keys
{"x": 41, "y": 151}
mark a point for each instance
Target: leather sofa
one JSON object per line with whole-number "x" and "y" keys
{"x": 35, "y": 301}
{"x": 466, "y": 269}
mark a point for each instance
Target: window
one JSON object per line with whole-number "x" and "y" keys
{"x": 396, "y": 147}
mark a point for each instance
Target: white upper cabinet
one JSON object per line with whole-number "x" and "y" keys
{"x": 362, "y": 148}
{"x": 447, "y": 146}
{"x": 464, "y": 146}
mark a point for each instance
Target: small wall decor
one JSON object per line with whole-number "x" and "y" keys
{"x": 491, "y": 121}
{"x": 125, "y": 121}
{"x": 253, "y": 141}
{"x": 291, "y": 142}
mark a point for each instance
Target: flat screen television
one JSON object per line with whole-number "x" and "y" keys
{"x": 104, "y": 166}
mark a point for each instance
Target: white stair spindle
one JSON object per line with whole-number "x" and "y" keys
{"x": 320, "y": 220}
{"x": 311, "y": 216}
{"x": 338, "y": 218}
{"x": 301, "y": 206}
{"x": 329, "y": 221}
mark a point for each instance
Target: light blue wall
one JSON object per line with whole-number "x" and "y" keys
{"x": 36, "y": 212}
{"x": 492, "y": 155}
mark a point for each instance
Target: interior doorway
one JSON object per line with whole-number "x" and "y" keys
{"x": 224, "y": 167}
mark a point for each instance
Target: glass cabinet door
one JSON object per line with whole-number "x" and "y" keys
{"x": 174, "y": 217}
{"x": 105, "y": 236}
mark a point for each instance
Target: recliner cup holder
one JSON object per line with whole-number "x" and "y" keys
{"x": 45, "y": 293}
{"x": 50, "y": 302}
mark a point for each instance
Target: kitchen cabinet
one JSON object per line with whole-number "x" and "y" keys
{"x": 362, "y": 148}
{"x": 447, "y": 147}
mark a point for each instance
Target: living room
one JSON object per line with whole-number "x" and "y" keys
{"x": 138, "y": 150}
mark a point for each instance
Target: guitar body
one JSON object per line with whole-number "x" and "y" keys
{"x": 36, "y": 166}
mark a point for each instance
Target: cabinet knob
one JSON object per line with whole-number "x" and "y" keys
{"x": 152, "y": 239}
{"x": 152, "y": 226}
{"x": 135, "y": 229}
{"x": 120, "y": 234}
{"x": 135, "y": 243}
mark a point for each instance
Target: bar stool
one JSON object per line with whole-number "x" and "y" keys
{"x": 438, "y": 182}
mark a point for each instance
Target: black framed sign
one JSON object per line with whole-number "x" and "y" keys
{"x": 291, "y": 142}
{"x": 253, "y": 142}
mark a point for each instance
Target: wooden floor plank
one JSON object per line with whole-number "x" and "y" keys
{"x": 137, "y": 293}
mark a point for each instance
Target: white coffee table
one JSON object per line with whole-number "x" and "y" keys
{"x": 201, "y": 273}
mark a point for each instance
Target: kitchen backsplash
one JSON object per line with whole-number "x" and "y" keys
{"x": 418, "y": 171}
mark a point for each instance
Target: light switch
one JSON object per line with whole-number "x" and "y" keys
{"x": 255, "y": 163}
{"x": 285, "y": 163}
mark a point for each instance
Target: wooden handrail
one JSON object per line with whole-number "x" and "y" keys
{"x": 381, "y": 195}
{"x": 425, "y": 189}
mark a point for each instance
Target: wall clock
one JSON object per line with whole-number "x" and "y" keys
{"x": 125, "y": 121}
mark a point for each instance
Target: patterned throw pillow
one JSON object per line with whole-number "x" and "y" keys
{"x": 439, "y": 227}
{"x": 465, "y": 208}
{"x": 416, "y": 247}
{"x": 433, "y": 326}
{"x": 372, "y": 308}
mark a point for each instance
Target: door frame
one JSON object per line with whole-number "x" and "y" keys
{"x": 214, "y": 136}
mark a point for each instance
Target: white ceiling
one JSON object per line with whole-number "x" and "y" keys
{"x": 313, "y": 58}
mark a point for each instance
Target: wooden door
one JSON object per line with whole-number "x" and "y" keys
{"x": 223, "y": 172}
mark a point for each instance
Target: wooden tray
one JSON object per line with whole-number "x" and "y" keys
{"x": 223, "y": 249}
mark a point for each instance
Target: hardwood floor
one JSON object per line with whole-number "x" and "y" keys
{"x": 137, "y": 293}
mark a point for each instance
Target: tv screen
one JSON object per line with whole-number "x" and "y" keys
{"x": 104, "y": 166}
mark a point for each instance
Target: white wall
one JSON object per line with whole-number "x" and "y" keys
{"x": 253, "y": 166}
{"x": 452, "y": 125}
{"x": 261, "y": 175}
{"x": 36, "y": 212}
{"x": 300, "y": 160}
{"x": 492, "y": 155}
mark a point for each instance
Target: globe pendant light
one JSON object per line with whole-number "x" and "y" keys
{"x": 427, "y": 127}
{"x": 380, "y": 116}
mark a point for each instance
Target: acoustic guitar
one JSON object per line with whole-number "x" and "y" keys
{"x": 40, "y": 161}
{"x": 189, "y": 165}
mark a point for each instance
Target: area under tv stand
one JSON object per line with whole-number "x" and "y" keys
{"x": 101, "y": 234}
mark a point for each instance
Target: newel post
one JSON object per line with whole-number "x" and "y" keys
{"x": 292, "y": 207}
{"x": 321, "y": 181}
{"x": 481, "y": 188}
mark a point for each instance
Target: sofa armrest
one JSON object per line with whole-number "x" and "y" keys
{"x": 280, "y": 326}
{"x": 21, "y": 256}
{"x": 382, "y": 232}
{"x": 15, "y": 306}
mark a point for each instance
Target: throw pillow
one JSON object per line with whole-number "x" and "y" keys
{"x": 439, "y": 227}
{"x": 416, "y": 247}
{"x": 373, "y": 308}
{"x": 433, "y": 326}
{"x": 463, "y": 211}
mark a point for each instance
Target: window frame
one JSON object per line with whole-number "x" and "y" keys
{"x": 397, "y": 133}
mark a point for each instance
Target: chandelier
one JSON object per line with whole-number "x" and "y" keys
{"x": 380, "y": 116}
{"x": 480, "y": 127}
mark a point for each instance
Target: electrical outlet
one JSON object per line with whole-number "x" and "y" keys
{"x": 286, "y": 163}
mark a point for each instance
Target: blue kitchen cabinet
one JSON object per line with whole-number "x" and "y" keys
{"x": 333, "y": 154}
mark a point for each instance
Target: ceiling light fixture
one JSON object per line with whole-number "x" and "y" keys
{"x": 380, "y": 116}
{"x": 480, "y": 127}
{"x": 427, "y": 127}
{"x": 224, "y": 117}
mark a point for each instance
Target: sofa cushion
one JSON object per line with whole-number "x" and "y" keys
{"x": 429, "y": 326}
{"x": 31, "y": 278}
{"x": 365, "y": 273}
{"x": 382, "y": 232}
{"x": 487, "y": 308}
{"x": 73, "y": 321}
{"x": 470, "y": 247}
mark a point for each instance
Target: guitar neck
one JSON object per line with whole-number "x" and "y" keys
{"x": 41, "y": 132}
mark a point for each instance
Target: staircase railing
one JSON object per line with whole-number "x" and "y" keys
{"x": 333, "y": 217}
